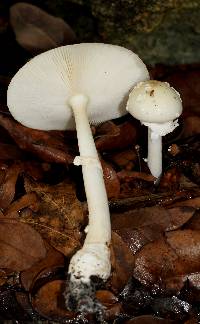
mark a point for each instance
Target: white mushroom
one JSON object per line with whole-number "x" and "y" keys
{"x": 157, "y": 106}
{"x": 79, "y": 82}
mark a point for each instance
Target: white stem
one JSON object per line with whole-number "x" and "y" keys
{"x": 154, "y": 159}
{"x": 155, "y": 133}
{"x": 94, "y": 257}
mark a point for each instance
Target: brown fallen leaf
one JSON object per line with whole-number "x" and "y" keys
{"x": 122, "y": 262}
{"x": 20, "y": 245}
{"x": 126, "y": 159}
{"x": 140, "y": 226}
{"x": 112, "y": 306}
{"x": 191, "y": 202}
{"x": 179, "y": 216}
{"x": 111, "y": 137}
{"x": 168, "y": 262}
{"x": 49, "y": 146}
{"x": 132, "y": 175}
{"x": 111, "y": 180}
{"x": 49, "y": 301}
{"x": 60, "y": 214}
{"x": 38, "y": 31}
{"x": 58, "y": 203}
{"x": 29, "y": 200}
{"x": 53, "y": 261}
{"x": 7, "y": 189}
{"x": 10, "y": 152}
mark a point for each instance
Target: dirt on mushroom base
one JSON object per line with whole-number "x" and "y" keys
{"x": 162, "y": 221}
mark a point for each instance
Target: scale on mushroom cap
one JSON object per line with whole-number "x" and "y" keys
{"x": 82, "y": 83}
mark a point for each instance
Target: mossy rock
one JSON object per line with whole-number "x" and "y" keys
{"x": 159, "y": 31}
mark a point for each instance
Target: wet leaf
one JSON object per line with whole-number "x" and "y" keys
{"x": 168, "y": 262}
{"x": 141, "y": 226}
{"x": 47, "y": 267}
{"x": 38, "y": 31}
{"x": 122, "y": 262}
{"x": 10, "y": 308}
{"x": 112, "y": 306}
{"x": 49, "y": 301}
{"x": 20, "y": 245}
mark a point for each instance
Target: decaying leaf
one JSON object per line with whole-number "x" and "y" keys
{"x": 111, "y": 180}
{"x": 38, "y": 31}
{"x": 60, "y": 215}
{"x": 110, "y": 136}
{"x": 20, "y": 245}
{"x": 7, "y": 190}
{"x": 112, "y": 306}
{"x": 49, "y": 301}
{"x": 53, "y": 261}
{"x": 122, "y": 262}
{"x": 49, "y": 146}
{"x": 168, "y": 262}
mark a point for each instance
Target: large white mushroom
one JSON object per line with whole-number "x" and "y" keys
{"x": 157, "y": 106}
{"x": 82, "y": 83}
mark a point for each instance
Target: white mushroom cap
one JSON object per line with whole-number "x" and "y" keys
{"x": 39, "y": 94}
{"x": 154, "y": 102}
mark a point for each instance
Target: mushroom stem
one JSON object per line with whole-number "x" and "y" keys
{"x": 155, "y": 133}
{"x": 154, "y": 159}
{"x": 94, "y": 257}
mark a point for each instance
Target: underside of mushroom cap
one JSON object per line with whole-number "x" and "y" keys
{"x": 38, "y": 95}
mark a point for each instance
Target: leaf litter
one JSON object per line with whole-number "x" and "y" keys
{"x": 155, "y": 229}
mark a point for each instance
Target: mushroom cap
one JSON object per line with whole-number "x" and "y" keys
{"x": 154, "y": 102}
{"x": 38, "y": 95}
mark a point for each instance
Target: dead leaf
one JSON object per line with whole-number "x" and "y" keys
{"x": 132, "y": 175}
{"x": 7, "y": 189}
{"x": 29, "y": 200}
{"x": 125, "y": 159}
{"x": 9, "y": 152}
{"x": 111, "y": 180}
{"x": 53, "y": 261}
{"x": 49, "y": 146}
{"x": 58, "y": 203}
{"x": 59, "y": 217}
{"x": 111, "y": 137}
{"x": 49, "y": 301}
{"x": 169, "y": 262}
{"x": 179, "y": 216}
{"x": 38, "y": 31}
{"x": 122, "y": 262}
{"x": 20, "y": 245}
{"x": 112, "y": 306}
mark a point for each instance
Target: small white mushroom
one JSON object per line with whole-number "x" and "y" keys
{"x": 157, "y": 106}
{"x": 85, "y": 83}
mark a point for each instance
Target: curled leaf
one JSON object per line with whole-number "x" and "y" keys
{"x": 38, "y": 31}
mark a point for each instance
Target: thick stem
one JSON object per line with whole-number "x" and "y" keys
{"x": 94, "y": 257}
{"x": 154, "y": 159}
